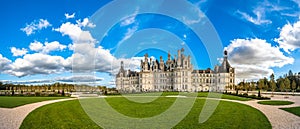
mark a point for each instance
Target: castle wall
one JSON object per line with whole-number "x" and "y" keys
{"x": 176, "y": 75}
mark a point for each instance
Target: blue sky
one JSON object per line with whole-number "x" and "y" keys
{"x": 50, "y": 41}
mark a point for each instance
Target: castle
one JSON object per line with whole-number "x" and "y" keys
{"x": 175, "y": 75}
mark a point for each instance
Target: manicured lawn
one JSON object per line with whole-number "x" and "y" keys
{"x": 200, "y": 94}
{"x": 228, "y": 115}
{"x": 275, "y": 102}
{"x": 133, "y": 109}
{"x": 69, "y": 114}
{"x": 224, "y": 96}
{"x": 293, "y": 110}
{"x": 12, "y": 101}
{"x": 61, "y": 115}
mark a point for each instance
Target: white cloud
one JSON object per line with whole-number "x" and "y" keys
{"x": 289, "y": 38}
{"x": 35, "y": 25}
{"x": 258, "y": 19}
{"x": 254, "y": 58}
{"x": 79, "y": 78}
{"x": 68, "y": 16}
{"x": 47, "y": 47}
{"x": 37, "y": 63}
{"x": 85, "y": 23}
{"x": 53, "y": 46}
{"x": 70, "y": 29}
{"x": 18, "y": 52}
{"x": 195, "y": 16}
{"x": 86, "y": 57}
{"x": 129, "y": 19}
{"x": 128, "y": 34}
{"x": 75, "y": 32}
{"x": 4, "y": 62}
{"x": 297, "y": 2}
{"x": 36, "y": 46}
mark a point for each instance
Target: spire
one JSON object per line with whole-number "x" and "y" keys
{"x": 169, "y": 56}
{"x": 179, "y": 58}
{"x": 225, "y": 54}
{"x": 146, "y": 57}
{"x": 225, "y": 65}
{"x": 122, "y": 65}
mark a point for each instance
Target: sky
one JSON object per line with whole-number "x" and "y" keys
{"x": 76, "y": 41}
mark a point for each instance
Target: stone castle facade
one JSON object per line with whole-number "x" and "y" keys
{"x": 175, "y": 75}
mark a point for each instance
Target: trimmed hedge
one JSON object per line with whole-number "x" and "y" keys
{"x": 248, "y": 96}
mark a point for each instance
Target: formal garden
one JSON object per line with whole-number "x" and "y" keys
{"x": 71, "y": 114}
{"x": 226, "y": 115}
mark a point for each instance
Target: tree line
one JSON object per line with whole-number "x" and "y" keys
{"x": 288, "y": 82}
{"x": 56, "y": 89}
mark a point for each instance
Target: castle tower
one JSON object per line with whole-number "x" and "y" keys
{"x": 161, "y": 64}
{"x": 179, "y": 58}
{"x": 146, "y": 62}
{"x": 122, "y": 65}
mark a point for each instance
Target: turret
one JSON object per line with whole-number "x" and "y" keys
{"x": 146, "y": 62}
{"x": 179, "y": 58}
{"x": 161, "y": 63}
{"x": 122, "y": 65}
{"x": 224, "y": 68}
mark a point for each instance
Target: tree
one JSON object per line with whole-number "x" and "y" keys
{"x": 266, "y": 82}
{"x": 282, "y": 87}
{"x": 261, "y": 84}
{"x": 294, "y": 86}
{"x": 272, "y": 83}
{"x": 247, "y": 87}
{"x": 272, "y": 76}
{"x": 290, "y": 74}
{"x": 273, "y": 86}
{"x": 287, "y": 83}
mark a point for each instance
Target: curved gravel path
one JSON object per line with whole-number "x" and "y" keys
{"x": 278, "y": 118}
{"x": 12, "y": 118}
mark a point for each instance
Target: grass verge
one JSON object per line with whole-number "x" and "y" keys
{"x": 275, "y": 102}
{"x": 60, "y": 115}
{"x": 14, "y": 101}
{"x": 293, "y": 110}
{"x": 223, "y": 96}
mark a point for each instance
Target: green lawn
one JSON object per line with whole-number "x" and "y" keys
{"x": 69, "y": 114}
{"x": 133, "y": 109}
{"x": 13, "y": 101}
{"x": 275, "y": 102}
{"x": 200, "y": 94}
{"x": 228, "y": 115}
{"x": 293, "y": 110}
{"x": 224, "y": 96}
{"x": 60, "y": 115}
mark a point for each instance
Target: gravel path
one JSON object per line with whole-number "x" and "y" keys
{"x": 278, "y": 118}
{"x": 12, "y": 118}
